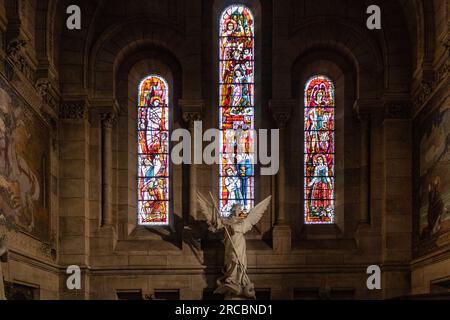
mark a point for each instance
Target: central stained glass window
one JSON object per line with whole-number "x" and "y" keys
{"x": 236, "y": 98}
{"x": 153, "y": 152}
{"x": 319, "y": 151}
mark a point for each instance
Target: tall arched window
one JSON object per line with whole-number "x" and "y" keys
{"x": 236, "y": 98}
{"x": 319, "y": 151}
{"x": 153, "y": 151}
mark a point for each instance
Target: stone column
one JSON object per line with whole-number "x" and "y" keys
{"x": 107, "y": 123}
{"x": 74, "y": 236}
{"x": 363, "y": 110}
{"x": 281, "y": 112}
{"x": 192, "y": 111}
{"x": 365, "y": 122}
{"x": 396, "y": 221}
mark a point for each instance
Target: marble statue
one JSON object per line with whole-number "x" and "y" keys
{"x": 235, "y": 283}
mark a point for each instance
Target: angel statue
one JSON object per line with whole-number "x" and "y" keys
{"x": 235, "y": 283}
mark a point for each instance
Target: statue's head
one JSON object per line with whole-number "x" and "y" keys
{"x": 236, "y": 210}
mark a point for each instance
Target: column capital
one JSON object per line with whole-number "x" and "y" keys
{"x": 108, "y": 119}
{"x": 74, "y": 108}
{"x": 46, "y": 89}
{"x": 192, "y": 110}
{"x": 105, "y": 110}
{"x": 281, "y": 111}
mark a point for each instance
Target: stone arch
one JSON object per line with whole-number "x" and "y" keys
{"x": 342, "y": 71}
{"x": 138, "y": 62}
{"x": 420, "y": 23}
{"x": 72, "y": 46}
{"x": 364, "y": 54}
{"x": 127, "y": 74}
{"x": 115, "y": 46}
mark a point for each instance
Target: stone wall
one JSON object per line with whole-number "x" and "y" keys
{"x": 430, "y": 266}
{"x": 28, "y": 148}
{"x": 81, "y": 86}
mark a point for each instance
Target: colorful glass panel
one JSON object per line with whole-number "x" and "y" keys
{"x": 319, "y": 146}
{"x": 153, "y": 152}
{"x": 236, "y": 99}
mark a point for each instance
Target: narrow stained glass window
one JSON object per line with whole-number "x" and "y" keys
{"x": 153, "y": 152}
{"x": 236, "y": 98}
{"x": 319, "y": 151}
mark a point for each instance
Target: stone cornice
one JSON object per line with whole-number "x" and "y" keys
{"x": 432, "y": 257}
{"x": 107, "y": 103}
{"x": 48, "y": 92}
{"x": 42, "y": 94}
{"x": 429, "y": 88}
{"x": 23, "y": 244}
{"x": 30, "y": 96}
{"x": 19, "y": 61}
{"x": 74, "y": 108}
{"x": 106, "y": 106}
{"x": 390, "y": 107}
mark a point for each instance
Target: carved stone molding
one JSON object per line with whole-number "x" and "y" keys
{"x": 192, "y": 110}
{"x": 50, "y": 119}
{"x": 389, "y": 107}
{"x": 446, "y": 41}
{"x": 73, "y": 110}
{"x": 108, "y": 120}
{"x": 15, "y": 48}
{"x": 192, "y": 116}
{"x": 106, "y": 111}
{"x": 15, "y": 52}
{"x": 281, "y": 111}
{"x": 428, "y": 88}
{"x": 47, "y": 92}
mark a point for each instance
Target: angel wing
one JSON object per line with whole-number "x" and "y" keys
{"x": 210, "y": 212}
{"x": 256, "y": 214}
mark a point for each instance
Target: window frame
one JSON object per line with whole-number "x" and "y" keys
{"x": 253, "y": 176}
{"x": 169, "y": 167}
{"x": 306, "y": 106}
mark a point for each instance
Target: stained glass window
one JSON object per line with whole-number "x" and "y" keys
{"x": 236, "y": 98}
{"x": 319, "y": 151}
{"x": 153, "y": 152}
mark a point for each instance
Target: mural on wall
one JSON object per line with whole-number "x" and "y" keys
{"x": 435, "y": 175}
{"x": 24, "y": 154}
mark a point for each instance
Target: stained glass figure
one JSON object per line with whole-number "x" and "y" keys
{"x": 236, "y": 98}
{"x": 319, "y": 149}
{"x": 153, "y": 152}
